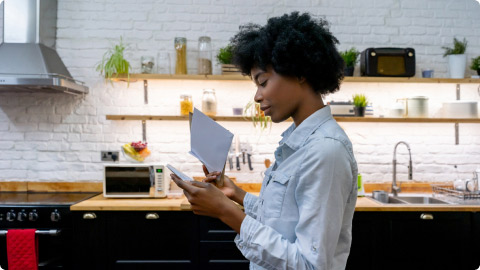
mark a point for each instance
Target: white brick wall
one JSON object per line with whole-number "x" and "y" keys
{"x": 58, "y": 138}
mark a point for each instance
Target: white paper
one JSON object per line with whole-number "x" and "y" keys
{"x": 209, "y": 141}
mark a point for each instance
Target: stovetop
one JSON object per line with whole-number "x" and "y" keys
{"x": 43, "y": 198}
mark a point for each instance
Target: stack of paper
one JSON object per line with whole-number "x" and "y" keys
{"x": 210, "y": 142}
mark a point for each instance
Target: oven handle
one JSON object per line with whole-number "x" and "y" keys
{"x": 43, "y": 232}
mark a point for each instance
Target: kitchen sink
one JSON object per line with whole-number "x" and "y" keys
{"x": 422, "y": 200}
{"x": 411, "y": 200}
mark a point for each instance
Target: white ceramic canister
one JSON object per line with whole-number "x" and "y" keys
{"x": 417, "y": 106}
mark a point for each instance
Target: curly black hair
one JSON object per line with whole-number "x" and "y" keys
{"x": 295, "y": 45}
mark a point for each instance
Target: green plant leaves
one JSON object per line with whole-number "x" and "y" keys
{"x": 350, "y": 57}
{"x": 360, "y": 100}
{"x": 458, "y": 47}
{"x": 225, "y": 55}
{"x": 252, "y": 111}
{"x": 113, "y": 62}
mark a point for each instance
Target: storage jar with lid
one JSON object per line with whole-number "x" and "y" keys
{"x": 186, "y": 104}
{"x": 181, "y": 55}
{"x": 204, "y": 56}
{"x": 209, "y": 102}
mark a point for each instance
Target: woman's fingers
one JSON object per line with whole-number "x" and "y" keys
{"x": 210, "y": 178}
{"x": 205, "y": 170}
{"x": 183, "y": 184}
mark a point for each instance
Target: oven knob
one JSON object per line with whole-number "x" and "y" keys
{"x": 33, "y": 216}
{"x": 410, "y": 54}
{"x": 55, "y": 216}
{"x": 22, "y": 216}
{"x": 11, "y": 216}
{"x": 373, "y": 53}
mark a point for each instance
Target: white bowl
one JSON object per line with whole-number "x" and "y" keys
{"x": 460, "y": 109}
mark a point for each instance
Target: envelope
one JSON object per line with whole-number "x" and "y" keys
{"x": 209, "y": 142}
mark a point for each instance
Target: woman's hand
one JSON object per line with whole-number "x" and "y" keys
{"x": 229, "y": 188}
{"x": 207, "y": 200}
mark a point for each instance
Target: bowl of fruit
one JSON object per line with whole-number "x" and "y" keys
{"x": 136, "y": 151}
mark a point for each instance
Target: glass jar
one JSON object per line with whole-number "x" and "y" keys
{"x": 181, "y": 55}
{"x": 209, "y": 102}
{"x": 186, "y": 104}
{"x": 204, "y": 56}
{"x": 147, "y": 63}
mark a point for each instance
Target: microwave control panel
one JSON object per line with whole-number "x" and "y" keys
{"x": 161, "y": 186}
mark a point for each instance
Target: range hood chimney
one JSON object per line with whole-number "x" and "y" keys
{"x": 28, "y": 60}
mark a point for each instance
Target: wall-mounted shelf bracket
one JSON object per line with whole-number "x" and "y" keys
{"x": 144, "y": 130}
{"x": 145, "y": 90}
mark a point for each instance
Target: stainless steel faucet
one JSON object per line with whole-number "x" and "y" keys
{"x": 395, "y": 188}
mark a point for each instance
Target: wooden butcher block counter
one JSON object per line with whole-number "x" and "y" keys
{"x": 100, "y": 203}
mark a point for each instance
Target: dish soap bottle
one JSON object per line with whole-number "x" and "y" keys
{"x": 360, "y": 188}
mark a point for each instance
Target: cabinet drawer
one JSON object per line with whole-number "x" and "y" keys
{"x": 212, "y": 229}
{"x": 151, "y": 238}
{"x": 221, "y": 255}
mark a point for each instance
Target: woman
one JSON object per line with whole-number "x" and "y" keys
{"x": 303, "y": 216}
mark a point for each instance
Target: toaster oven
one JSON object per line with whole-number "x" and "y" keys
{"x": 135, "y": 181}
{"x": 388, "y": 62}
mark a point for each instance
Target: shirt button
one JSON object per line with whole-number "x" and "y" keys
{"x": 314, "y": 248}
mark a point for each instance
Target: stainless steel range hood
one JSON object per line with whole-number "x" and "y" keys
{"x": 28, "y": 60}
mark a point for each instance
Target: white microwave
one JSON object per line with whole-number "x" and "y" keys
{"x": 135, "y": 181}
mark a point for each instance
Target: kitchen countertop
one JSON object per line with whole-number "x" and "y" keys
{"x": 366, "y": 204}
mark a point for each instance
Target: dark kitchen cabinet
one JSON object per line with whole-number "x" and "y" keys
{"x": 417, "y": 242}
{"x": 368, "y": 231}
{"x": 475, "y": 253}
{"x": 412, "y": 240}
{"x": 89, "y": 240}
{"x": 217, "y": 249}
{"x": 152, "y": 240}
{"x": 182, "y": 240}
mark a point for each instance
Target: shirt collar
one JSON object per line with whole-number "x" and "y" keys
{"x": 295, "y": 137}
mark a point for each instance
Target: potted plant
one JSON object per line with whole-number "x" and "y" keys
{"x": 224, "y": 57}
{"x": 360, "y": 102}
{"x": 253, "y": 112}
{"x": 113, "y": 63}
{"x": 457, "y": 60}
{"x": 350, "y": 59}
{"x": 476, "y": 64}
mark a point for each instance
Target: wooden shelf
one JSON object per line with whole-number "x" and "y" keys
{"x": 137, "y": 77}
{"x": 339, "y": 119}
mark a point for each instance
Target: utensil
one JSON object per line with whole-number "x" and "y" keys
{"x": 249, "y": 156}
{"x": 237, "y": 151}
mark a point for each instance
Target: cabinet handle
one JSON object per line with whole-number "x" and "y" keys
{"x": 151, "y": 216}
{"x": 426, "y": 216}
{"x": 89, "y": 216}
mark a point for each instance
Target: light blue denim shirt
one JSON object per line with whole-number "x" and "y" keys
{"x": 303, "y": 216}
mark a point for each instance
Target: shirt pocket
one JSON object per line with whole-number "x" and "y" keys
{"x": 275, "y": 194}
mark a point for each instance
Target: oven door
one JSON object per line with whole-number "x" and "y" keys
{"x": 54, "y": 251}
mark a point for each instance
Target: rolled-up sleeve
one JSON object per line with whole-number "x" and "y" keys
{"x": 250, "y": 204}
{"x": 323, "y": 185}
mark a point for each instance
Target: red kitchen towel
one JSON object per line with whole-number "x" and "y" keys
{"x": 22, "y": 250}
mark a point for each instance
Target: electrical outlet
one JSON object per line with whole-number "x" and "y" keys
{"x": 109, "y": 156}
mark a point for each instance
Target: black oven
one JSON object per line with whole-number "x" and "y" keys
{"x": 388, "y": 62}
{"x": 49, "y": 214}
